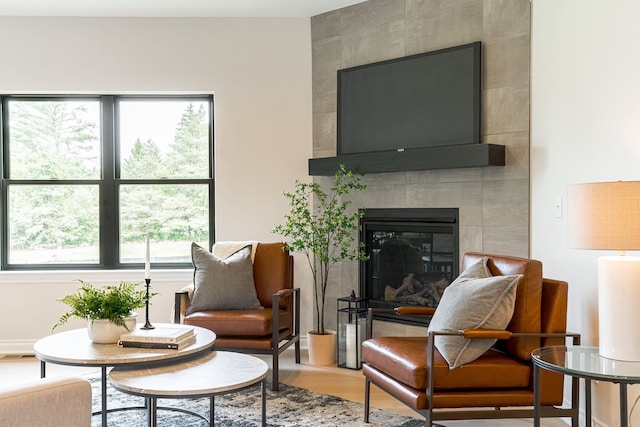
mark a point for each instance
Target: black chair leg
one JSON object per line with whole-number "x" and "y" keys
{"x": 275, "y": 385}
{"x": 427, "y": 418}
{"x": 367, "y": 390}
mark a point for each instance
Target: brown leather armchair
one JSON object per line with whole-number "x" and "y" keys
{"x": 499, "y": 384}
{"x": 259, "y": 331}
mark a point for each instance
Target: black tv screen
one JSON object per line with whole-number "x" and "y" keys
{"x": 425, "y": 100}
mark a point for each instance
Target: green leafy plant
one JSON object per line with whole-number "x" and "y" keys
{"x": 113, "y": 302}
{"x": 326, "y": 233}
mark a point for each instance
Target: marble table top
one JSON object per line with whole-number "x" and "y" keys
{"x": 75, "y": 348}
{"x": 214, "y": 373}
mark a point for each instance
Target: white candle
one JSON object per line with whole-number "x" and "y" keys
{"x": 354, "y": 352}
{"x": 147, "y": 261}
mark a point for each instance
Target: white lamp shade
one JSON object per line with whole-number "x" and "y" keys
{"x": 605, "y": 215}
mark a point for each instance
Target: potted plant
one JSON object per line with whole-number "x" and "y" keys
{"x": 325, "y": 232}
{"x": 109, "y": 310}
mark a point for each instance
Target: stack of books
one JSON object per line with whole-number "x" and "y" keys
{"x": 173, "y": 337}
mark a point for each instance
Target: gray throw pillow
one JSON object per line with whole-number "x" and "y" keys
{"x": 223, "y": 284}
{"x": 477, "y": 270}
{"x": 473, "y": 302}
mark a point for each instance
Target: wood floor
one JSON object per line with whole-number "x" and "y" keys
{"x": 345, "y": 383}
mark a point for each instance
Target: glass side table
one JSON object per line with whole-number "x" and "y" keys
{"x": 585, "y": 363}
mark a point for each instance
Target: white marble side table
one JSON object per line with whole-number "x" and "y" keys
{"x": 74, "y": 348}
{"x": 217, "y": 373}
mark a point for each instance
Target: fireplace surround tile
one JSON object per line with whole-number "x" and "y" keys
{"x": 506, "y": 240}
{"x": 467, "y": 196}
{"x": 506, "y": 203}
{"x": 493, "y": 201}
{"x": 436, "y": 25}
{"x": 445, "y": 175}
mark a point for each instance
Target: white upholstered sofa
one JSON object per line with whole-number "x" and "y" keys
{"x": 48, "y": 402}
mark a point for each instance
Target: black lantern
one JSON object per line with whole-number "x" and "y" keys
{"x": 352, "y": 323}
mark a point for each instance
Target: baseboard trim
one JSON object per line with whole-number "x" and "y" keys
{"x": 17, "y": 348}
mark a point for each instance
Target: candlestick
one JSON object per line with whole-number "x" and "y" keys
{"x": 147, "y": 324}
{"x": 147, "y": 261}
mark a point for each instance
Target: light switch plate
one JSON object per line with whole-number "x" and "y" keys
{"x": 558, "y": 207}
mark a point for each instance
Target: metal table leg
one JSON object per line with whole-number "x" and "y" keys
{"x": 104, "y": 396}
{"x": 536, "y": 396}
{"x": 152, "y": 410}
{"x": 624, "y": 422}
{"x": 587, "y": 402}
{"x": 263, "y": 393}
{"x": 212, "y": 409}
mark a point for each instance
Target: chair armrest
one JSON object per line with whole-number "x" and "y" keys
{"x": 414, "y": 311}
{"x": 286, "y": 292}
{"x": 501, "y": 334}
{"x": 275, "y": 304}
{"x": 498, "y": 334}
{"x": 182, "y": 302}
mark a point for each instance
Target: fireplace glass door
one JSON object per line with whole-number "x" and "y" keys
{"x": 411, "y": 262}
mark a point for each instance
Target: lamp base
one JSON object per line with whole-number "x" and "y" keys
{"x": 618, "y": 295}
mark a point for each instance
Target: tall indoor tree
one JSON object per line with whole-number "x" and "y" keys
{"x": 324, "y": 230}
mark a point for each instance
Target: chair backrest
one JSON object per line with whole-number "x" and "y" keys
{"x": 554, "y": 310}
{"x": 527, "y": 314}
{"x": 272, "y": 271}
{"x": 553, "y": 320}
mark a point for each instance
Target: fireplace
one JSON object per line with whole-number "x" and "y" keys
{"x": 413, "y": 257}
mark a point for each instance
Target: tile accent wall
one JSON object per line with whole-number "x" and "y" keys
{"x": 493, "y": 201}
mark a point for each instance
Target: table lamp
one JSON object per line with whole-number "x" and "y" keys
{"x": 606, "y": 216}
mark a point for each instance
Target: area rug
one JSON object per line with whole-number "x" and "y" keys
{"x": 289, "y": 407}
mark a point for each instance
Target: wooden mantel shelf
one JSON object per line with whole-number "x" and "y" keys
{"x": 446, "y": 157}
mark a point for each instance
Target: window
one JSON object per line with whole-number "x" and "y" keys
{"x": 85, "y": 179}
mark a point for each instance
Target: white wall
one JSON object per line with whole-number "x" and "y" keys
{"x": 585, "y": 128}
{"x": 260, "y": 73}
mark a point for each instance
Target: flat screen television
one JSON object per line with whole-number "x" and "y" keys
{"x": 424, "y": 100}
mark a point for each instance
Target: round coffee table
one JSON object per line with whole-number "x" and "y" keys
{"x": 217, "y": 373}
{"x": 74, "y": 348}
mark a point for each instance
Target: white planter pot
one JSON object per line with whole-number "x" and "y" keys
{"x": 103, "y": 331}
{"x": 322, "y": 348}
